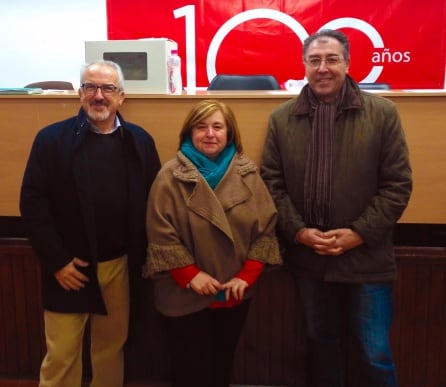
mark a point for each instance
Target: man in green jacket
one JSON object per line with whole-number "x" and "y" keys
{"x": 336, "y": 163}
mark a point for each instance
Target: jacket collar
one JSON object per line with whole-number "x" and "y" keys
{"x": 83, "y": 124}
{"x": 229, "y": 192}
{"x": 352, "y": 99}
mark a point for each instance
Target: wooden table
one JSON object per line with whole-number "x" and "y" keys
{"x": 423, "y": 114}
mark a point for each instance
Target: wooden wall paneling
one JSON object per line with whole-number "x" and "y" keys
{"x": 396, "y": 328}
{"x": 420, "y": 323}
{"x": 3, "y": 318}
{"x": 283, "y": 332}
{"x": 436, "y": 341}
{"x": 34, "y": 311}
{"x": 8, "y": 351}
{"x": 19, "y": 317}
{"x": 6, "y": 305}
{"x": 162, "y": 116}
{"x": 272, "y": 347}
{"x": 251, "y": 352}
{"x": 255, "y": 343}
{"x": 22, "y": 324}
{"x": 417, "y": 336}
{"x": 405, "y": 313}
{"x": 288, "y": 333}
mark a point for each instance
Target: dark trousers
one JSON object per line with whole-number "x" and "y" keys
{"x": 362, "y": 312}
{"x": 202, "y": 345}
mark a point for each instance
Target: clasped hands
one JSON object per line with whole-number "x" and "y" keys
{"x": 204, "y": 284}
{"x": 332, "y": 242}
{"x": 69, "y": 277}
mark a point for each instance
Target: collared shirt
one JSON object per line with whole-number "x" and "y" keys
{"x": 95, "y": 129}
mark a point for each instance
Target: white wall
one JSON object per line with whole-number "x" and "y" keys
{"x": 43, "y": 40}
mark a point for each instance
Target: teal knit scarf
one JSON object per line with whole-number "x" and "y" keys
{"x": 212, "y": 170}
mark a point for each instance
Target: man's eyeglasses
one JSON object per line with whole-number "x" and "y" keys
{"x": 329, "y": 62}
{"x": 91, "y": 88}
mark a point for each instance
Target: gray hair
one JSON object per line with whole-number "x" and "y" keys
{"x": 335, "y": 34}
{"x": 108, "y": 63}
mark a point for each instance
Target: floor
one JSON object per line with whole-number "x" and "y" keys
{"x": 33, "y": 383}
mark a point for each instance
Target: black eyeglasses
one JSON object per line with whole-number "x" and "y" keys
{"x": 91, "y": 88}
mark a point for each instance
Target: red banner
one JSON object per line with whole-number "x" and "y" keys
{"x": 401, "y": 42}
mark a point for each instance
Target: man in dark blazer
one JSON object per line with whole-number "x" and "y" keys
{"x": 83, "y": 202}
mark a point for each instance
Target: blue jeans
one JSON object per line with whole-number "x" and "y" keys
{"x": 360, "y": 312}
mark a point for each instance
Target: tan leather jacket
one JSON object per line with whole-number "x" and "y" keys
{"x": 189, "y": 223}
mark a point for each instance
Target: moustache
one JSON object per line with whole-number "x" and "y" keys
{"x": 99, "y": 103}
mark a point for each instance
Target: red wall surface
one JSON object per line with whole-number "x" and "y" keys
{"x": 401, "y": 42}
